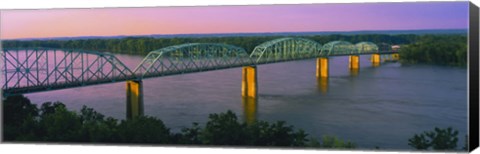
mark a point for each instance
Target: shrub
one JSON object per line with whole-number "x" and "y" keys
{"x": 438, "y": 139}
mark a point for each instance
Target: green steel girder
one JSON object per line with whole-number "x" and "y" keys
{"x": 366, "y": 47}
{"x": 191, "y": 57}
{"x": 40, "y": 69}
{"x": 334, "y": 48}
{"x": 285, "y": 49}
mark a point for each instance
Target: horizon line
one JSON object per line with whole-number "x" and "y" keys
{"x": 151, "y": 35}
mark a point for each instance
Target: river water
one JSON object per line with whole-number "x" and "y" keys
{"x": 378, "y": 106}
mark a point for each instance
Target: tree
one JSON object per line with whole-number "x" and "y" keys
{"x": 58, "y": 124}
{"x": 18, "y": 117}
{"x": 223, "y": 129}
{"x": 17, "y": 110}
{"x": 143, "y": 129}
{"x": 438, "y": 139}
{"x": 334, "y": 142}
{"x": 96, "y": 128}
{"x": 449, "y": 50}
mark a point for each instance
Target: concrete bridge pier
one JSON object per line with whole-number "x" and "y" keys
{"x": 354, "y": 62}
{"x": 134, "y": 98}
{"x": 322, "y": 67}
{"x": 249, "y": 93}
{"x": 376, "y": 59}
{"x": 249, "y": 82}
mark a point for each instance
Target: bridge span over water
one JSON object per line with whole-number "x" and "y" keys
{"x": 27, "y": 70}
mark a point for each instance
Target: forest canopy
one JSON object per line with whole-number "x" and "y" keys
{"x": 438, "y": 50}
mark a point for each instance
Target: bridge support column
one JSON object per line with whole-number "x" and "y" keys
{"x": 376, "y": 59}
{"x": 322, "y": 67}
{"x": 354, "y": 62}
{"x": 249, "y": 81}
{"x": 134, "y": 98}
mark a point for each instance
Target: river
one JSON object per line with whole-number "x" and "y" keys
{"x": 378, "y": 106}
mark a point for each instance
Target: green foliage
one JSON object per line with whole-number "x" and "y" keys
{"x": 438, "y": 139}
{"x": 58, "y": 124}
{"x": 419, "y": 142}
{"x": 51, "y": 108}
{"x": 143, "y": 130}
{"x": 54, "y": 123}
{"x": 95, "y": 128}
{"x": 450, "y": 50}
{"x": 276, "y": 134}
{"x": 334, "y": 142}
{"x": 17, "y": 110}
{"x": 223, "y": 129}
{"x": 190, "y": 135}
{"x": 18, "y": 116}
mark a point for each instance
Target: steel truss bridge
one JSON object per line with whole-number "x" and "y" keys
{"x": 27, "y": 70}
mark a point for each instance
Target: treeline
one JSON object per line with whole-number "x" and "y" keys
{"x": 53, "y": 122}
{"x": 143, "y": 45}
{"x": 449, "y": 50}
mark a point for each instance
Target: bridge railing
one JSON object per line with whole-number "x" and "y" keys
{"x": 367, "y": 47}
{"x": 285, "y": 49}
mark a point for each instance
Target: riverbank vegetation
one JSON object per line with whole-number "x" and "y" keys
{"x": 447, "y": 50}
{"x": 438, "y": 139}
{"x": 53, "y": 122}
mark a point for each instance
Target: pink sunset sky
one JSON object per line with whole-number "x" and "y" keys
{"x": 16, "y": 24}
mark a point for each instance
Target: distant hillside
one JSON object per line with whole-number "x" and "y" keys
{"x": 388, "y": 32}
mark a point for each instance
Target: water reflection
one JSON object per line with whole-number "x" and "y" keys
{"x": 249, "y": 109}
{"x": 354, "y": 72}
{"x": 322, "y": 85}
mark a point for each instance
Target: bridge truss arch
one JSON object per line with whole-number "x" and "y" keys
{"x": 191, "y": 57}
{"x": 41, "y": 69}
{"x": 338, "y": 48}
{"x": 366, "y": 47}
{"x": 285, "y": 49}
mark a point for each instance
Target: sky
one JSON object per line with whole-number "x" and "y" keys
{"x": 15, "y": 24}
